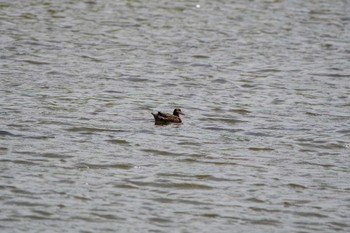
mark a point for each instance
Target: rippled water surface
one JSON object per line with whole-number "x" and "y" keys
{"x": 264, "y": 145}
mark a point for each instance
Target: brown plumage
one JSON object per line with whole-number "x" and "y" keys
{"x": 165, "y": 118}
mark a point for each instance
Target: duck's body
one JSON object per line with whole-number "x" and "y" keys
{"x": 164, "y": 118}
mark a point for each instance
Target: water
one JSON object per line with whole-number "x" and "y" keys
{"x": 264, "y": 145}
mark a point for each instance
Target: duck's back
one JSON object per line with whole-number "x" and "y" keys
{"x": 167, "y": 115}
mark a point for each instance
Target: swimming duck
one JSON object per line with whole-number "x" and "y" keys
{"x": 164, "y": 118}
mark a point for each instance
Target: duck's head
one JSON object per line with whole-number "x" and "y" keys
{"x": 177, "y": 112}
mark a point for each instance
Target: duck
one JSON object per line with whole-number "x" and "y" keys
{"x": 165, "y": 118}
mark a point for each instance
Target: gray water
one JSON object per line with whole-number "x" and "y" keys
{"x": 264, "y": 145}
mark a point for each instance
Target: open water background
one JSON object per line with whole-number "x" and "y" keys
{"x": 264, "y": 146}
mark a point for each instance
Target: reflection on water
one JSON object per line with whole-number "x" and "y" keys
{"x": 264, "y": 144}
